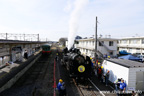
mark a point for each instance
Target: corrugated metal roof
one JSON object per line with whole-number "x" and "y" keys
{"x": 127, "y": 63}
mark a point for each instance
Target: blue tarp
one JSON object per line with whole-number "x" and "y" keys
{"x": 130, "y": 57}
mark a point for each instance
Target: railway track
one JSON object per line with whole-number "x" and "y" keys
{"x": 90, "y": 90}
{"x": 87, "y": 90}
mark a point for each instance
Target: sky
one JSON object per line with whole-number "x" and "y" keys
{"x": 51, "y": 18}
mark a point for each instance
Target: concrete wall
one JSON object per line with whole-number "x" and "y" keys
{"x": 18, "y": 75}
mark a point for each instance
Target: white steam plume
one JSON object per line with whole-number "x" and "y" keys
{"x": 74, "y": 19}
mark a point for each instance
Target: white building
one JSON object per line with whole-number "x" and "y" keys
{"x": 131, "y": 71}
{"x": 104, "y": 46}
{"x": 134, "y": 45}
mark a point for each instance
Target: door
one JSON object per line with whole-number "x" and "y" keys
{"x": 140, "y": 81}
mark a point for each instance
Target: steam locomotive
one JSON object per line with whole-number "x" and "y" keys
{"x": 79, "y": 66}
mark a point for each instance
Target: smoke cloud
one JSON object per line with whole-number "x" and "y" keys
{"x": 74, "y": 20}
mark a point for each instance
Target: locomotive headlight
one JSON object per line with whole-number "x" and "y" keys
{"x": 81, "y": 68}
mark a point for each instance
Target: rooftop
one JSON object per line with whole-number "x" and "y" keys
{"x": 101, "y": 39}
{"x": 126, "y": 63}
{"x": 142, "y": 37}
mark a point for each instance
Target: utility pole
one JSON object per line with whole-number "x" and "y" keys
{"x": 96, "y": 40}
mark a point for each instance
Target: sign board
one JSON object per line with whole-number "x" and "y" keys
{"x": 131, "y": 88}
{"x": 81, "y": 68}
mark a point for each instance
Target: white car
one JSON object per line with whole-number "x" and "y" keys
{"x": 141, "y": 57}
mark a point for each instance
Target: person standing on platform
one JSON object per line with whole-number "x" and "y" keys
{"x": 61, "y": 88}
{"x": 25, "y": 54}
{"x": 100, "y": 74}
{"x": 107, "y": 77}
{"x": 122, "y": 86}
{"x": 56, "y": 58}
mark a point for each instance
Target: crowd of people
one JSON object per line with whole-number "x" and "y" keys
{"x": 120, "y": 85}
{"x": 103, "y": 77}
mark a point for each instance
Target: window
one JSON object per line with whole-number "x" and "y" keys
{"x": 111, "y": 53}
{"x": 93, "y": 42}
{"x": 142, "y": 41}
{"x": 100, "y": 43}
{"x": 124, "y": 41}
{"x": 135, "y": 41}
{"x": 86, "y": 42}
{"x": 130, "y": 50}
{"x": 119, "y": 42}
{"x": 137, "y": 53}
{"x": 86, "y": 50}
{"x": 110, "y": 43}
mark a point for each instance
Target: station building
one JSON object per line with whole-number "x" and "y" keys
{"x": 134, "y": 45}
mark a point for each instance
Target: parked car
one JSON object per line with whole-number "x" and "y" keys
{"x": 141, "y": 57}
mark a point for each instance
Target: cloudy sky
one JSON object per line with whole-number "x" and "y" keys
{"x": 51, "y": 18}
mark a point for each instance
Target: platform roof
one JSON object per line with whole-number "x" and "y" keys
{"x": 127, "y": 63}
{"x": 20, "y": 42}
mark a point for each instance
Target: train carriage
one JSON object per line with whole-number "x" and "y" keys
{"x": 46, "y": 49}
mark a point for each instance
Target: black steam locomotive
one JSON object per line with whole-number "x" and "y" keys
{"x": 79, "y": 66}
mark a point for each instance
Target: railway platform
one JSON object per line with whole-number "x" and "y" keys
{"x": 10, "y": 73}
